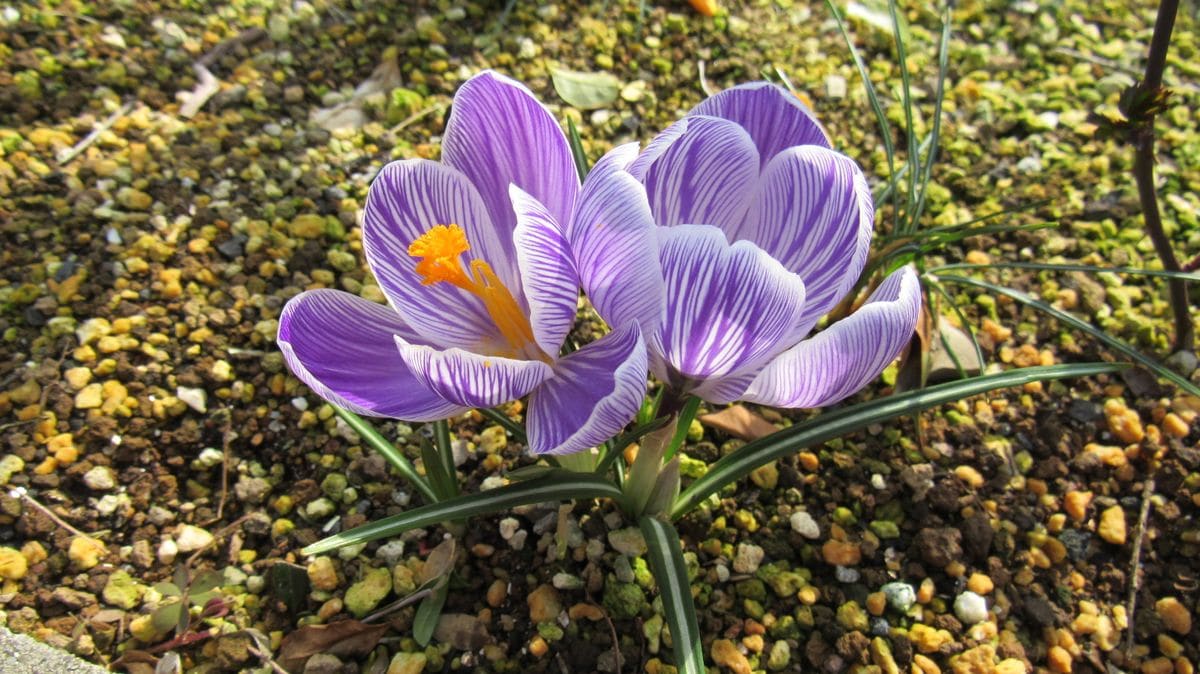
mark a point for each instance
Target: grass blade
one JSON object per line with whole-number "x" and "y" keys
{"x": 938, "y": 99}
{"x": 914, "y": 152}
{"x": 840, "y": 422}
{"x": 556, "y": 486}
{"x": 577, "y": 153}
{"x": 1083, "y": 326}
{"x": 429, "y": 611}
{"x": 670, "y": 572}
{"x": 388, "y": 451}
{"x": 1087, "y": 268}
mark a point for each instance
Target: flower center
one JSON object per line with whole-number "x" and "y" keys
{"x": 440, "y": 250}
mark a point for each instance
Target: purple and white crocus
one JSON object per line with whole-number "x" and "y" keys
{"x": 727, "y": 238}
{"x": 460, "y": 334}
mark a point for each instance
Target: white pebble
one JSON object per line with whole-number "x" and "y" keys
{"x": 167, "y": 550}
{"x": 508, "y": 527}
{"x": 805, "y": 525}
{"x": 970, "y": 608}
{"x": 100, "y": 478}
{"x": 846, "y": 574}
{"x": 748, "y": 558}
{"x": 192, "y": 538}
{"x": 300, "y": 403}
{"x": 900, "y": 596}
{"x": 209, "y": 457}
{"x": 195, "y": 398}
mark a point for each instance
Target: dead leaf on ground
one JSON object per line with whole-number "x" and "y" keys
{"x": 439, "y": 562}
{"x": 462, "y": 631}
{"x": 348, "y": 637}
{"x": 740, "y": 422}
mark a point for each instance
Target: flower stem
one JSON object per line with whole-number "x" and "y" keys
{"x": 1143, "y": 173}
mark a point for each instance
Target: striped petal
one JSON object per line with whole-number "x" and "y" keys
{"x": 407, "y": 199}
{"x": 703, "y": 175}
{"x": 472, "y": 379}
{"x": 548, "y": 273}
{"x": 846, "y": 356}
{"x": 616, "y": 249}
{"x": 593, "y": 394}
{"x": 812, "y": 211}
{"x": 343, "y": 347}
{"x": 731, "y": 307}
{"x": 774, "y": 117}
{"x": 498, "y": 135}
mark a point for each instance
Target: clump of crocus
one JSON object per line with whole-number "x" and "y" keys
{"x": 727, "y": 238}
{"x": 481, "y": 284}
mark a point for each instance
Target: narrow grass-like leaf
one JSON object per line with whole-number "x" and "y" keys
{"x": 885, "y": 129}
{"x": 1087, "y": 268}
{"x": 670, "y": 572}
{"x": 429, "y": 611}
{"x": 686, "y": 415}
{"x": 502, "y": 419}
{"x": 556, "y": 486}
{"x": 938, "y": 99}
{"x": 962, "y": 320}
{"x": 433, "y": 469}
{"x": 577, "y": 153}
{"x": 835, "y": 424}
{"x": 617, "y": 446}
{"x": 1100, "y": 335}
{"x": 910, "y": 130}
{"x": 441, "y": 435}
{"x": 389, "y": 452}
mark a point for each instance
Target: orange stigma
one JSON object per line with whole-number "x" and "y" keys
{"x": 440, "y": 250}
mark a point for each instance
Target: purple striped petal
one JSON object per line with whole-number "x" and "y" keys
{"x": 703, "y": 176}
{"x": 730, "y": 309}
{"x": 616, "y": 249}
{"x": 812, "y": 211}
{"x": 772, "y": 115}
{"x": 472, "y": 379}
{"x": 547, "y": 271}
{"x": 593, "y": 394}
{"x": 343, "y": 347}
{"x": 500, "y": 134}
{"x": 407, "y": 199}
{"x": 844, "y": 357}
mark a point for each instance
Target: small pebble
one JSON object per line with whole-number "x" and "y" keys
{"x": 841, "y": 553}
{"x": 1174, "y": 614}
{"x": 100, "y": 478}
{"x": 544, "y": 604}
{"x": 726, "y": 654}
{"x": 1112, "y": 525}
{"x": 845, "y": 574}
{"x": 970, "y": 608}
{"x": 804, "y": 524}
{"x": 85, "y": 552}
{"x": 900, "y": 596}
{"x": 167, "y": 551}
{"x": 192, "y": 538}
{"x": 748, "y": 558}
{"x": 322, "y": 574}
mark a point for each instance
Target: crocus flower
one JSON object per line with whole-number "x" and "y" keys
{"x": 481, "y": 331}
{"x": 727, "y": 239}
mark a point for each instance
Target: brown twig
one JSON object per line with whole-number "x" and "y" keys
{"x": 1135, "y": 561}
{"x": 1150, "y": 88}
{"x": 21, "y": 492}
{"x": 227, "y": 436}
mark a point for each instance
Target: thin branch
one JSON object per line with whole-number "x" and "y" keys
{"x": 67, "y": 155}
{"x": 1135, "y": 561}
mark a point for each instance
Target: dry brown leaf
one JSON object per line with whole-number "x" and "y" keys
{"x": 439, "y": 562}
{"x": 462, "y": 631}
{"x": 348, "y": 637}
{"x": 740, "y": 422}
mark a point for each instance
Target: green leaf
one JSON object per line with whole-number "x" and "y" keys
{"x": 670, "y": 572}
{"x": 682, "y": 425}
{"x": 1083, "y": 326}
{"x": 837, "y": 423}
{"x": 577, "y": 152}
{"x": 1087, "y": 268}
{"x": 618, "y": 445}
{"x": 429, "y": 611}
{"x": 557, "y": 486}
{"x": 388, "y": 451}
{"x": 585, "y": 90}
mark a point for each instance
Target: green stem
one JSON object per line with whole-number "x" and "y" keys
{"x": 686, "y": 415}
{"x": 389, "y": 453}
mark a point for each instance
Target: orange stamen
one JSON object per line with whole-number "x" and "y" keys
{"x": 440, "y": 250}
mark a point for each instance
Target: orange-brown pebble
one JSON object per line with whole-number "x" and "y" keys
{"x": 1010, "y": 666}
{"x": 925, "y": 591}
{"x": 1076, "y": 504}
{"x": 1026, "y": 356}
{"x": 538, "y": 646}
{"x": 841, "y": 553}
{"x": 980, "y": 584}
{"x": 997, "y": 332}
{"x": 925, "y": 665}
{"x": 497, "y": 592}
{"x": 1174, "y": 426}
{"x": 585, "y": 610}
{"x": 1112, "y": 525}
{"x": 955, "y": 569}
{"x": 876, "y": 603}
{"x": 1107, "y": 454}
{"x": 808, "y": 461}
{"x": 1174, "y": 614}
{"x": 727, "y": 655}
{"x": 1123, "y": 422}
{"x": 752, "y": 626}
{"x": 978, "y": 257}
{"x": 753, "y": 643}
{"x": 970, "y": 476}
{"x": 1059, "y": 659}
{"x": 1158, "y": 666}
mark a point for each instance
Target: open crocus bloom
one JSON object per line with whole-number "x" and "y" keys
{"x": 727, "y": 239}
{"x": 481, "y": 331}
